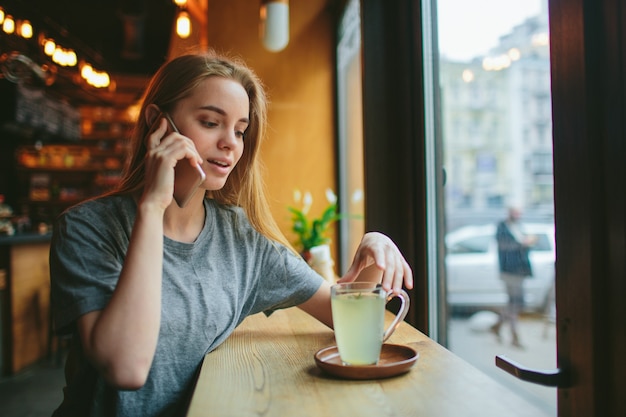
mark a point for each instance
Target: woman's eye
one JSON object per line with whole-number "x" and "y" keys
{"x": 208, "y": 123}
{"x": 240, "y": 134}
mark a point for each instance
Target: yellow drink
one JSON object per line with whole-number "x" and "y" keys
{"x": 359, "y": 323}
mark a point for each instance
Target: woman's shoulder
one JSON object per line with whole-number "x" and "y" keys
{"x": 105, "y": 202}
{"x": 99, "y": 208}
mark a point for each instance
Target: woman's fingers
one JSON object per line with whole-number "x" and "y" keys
{"x": 397, "y": 273}
{"x": 154, "y": 138}
{"x": 377, "y": 254}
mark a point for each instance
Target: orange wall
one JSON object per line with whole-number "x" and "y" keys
{"x": 300, "y": 148}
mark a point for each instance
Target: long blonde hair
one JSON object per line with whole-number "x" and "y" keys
{"x": 176, "y": 80}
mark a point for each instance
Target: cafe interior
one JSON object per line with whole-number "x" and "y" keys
{"x": 73, "y": 73}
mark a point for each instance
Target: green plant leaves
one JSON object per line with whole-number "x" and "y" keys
{"x": 312, "y": 233}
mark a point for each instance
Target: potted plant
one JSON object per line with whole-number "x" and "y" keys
{"x": 313, "y": 240}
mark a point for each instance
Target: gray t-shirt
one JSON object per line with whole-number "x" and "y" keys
{"x": 209, "y": 287}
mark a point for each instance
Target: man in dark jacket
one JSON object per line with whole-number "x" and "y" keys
{"x": 513, "y": 248}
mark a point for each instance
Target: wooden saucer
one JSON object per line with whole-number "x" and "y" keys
{"x": 394, "y": 360}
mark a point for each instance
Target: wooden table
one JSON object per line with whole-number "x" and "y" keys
{"x": 266, "y": 368}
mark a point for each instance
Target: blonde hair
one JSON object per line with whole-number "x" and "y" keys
{"x": 176, "y": 80}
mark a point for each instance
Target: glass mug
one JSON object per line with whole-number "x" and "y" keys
{"x": 358, "y": 310}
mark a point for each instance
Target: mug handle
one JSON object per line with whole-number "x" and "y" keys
{"x": 404, "y": 309}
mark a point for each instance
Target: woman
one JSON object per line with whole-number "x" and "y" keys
{"x": 147, "y": 287}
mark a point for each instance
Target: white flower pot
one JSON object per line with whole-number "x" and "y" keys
{"x": 322, "y": 262}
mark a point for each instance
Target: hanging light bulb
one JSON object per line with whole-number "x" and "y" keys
{"x": 71, "y": 58}
{"x": 26, "y": 29}
{"x": 8, "y": 26}
{"x": 274, "y": 24}
{"x": 183, "y": 25}
{"x": 97, "y": 79}
{"x": 180, "y": 3}
{"x": 49, "y": 47}
{"x": 86, "y": 70}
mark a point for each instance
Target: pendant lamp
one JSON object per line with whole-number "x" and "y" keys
{"x": 274, "y": 24}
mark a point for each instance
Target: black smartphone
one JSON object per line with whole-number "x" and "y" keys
{"x": 187, "y": 176}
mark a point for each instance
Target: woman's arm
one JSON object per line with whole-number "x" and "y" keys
{"x": 121, "y": 339}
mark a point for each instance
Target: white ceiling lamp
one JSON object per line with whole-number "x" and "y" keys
{"x": 274, "y": 24}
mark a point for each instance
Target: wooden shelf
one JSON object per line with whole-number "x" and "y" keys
{"x": 93, "y": 168}
{"x": 54, "y": 202}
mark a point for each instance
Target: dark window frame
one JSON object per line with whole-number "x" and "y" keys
{"x": 588, "y": 59}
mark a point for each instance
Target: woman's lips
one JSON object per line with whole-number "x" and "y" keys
{"x": 219, "y": 167}
{"x": 218, "y": 163}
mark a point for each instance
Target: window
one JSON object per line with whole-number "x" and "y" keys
{"x": 478, "y": 244}
{"x": 494, "y": 72}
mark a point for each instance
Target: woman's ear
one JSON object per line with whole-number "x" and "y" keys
{"x": 152, "y": 113}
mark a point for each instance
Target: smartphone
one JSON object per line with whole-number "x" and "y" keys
{"x": 187, "y": 176}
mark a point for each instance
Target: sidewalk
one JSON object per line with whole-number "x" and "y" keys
{"x": 477, "y": 345}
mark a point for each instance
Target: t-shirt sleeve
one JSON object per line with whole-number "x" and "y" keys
{"x": 287, "y": 282}
{"x": 85, "y": 262}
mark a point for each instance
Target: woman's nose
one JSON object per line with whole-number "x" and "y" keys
{"x": 228, "y": 140}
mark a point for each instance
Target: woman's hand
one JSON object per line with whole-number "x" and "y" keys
{"x": 165, "y": 149}
{"x": 377, "y": 259}
{"x": 378, "y": 256}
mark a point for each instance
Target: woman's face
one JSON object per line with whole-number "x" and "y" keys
{"x": 215, "y": 117}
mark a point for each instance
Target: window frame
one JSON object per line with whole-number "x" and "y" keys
{"x": 589, "y": 131}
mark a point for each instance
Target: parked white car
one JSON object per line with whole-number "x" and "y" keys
{"x": 472, "y": 270}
